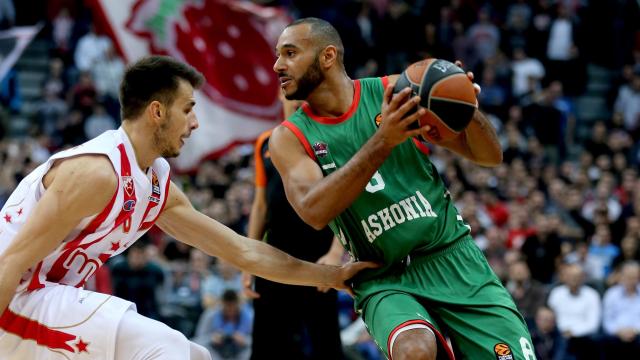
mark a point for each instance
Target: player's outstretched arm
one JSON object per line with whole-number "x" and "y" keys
{"x": 318, "y": 199}
{"x": 180, "y": 220}
{"x": 76, "y": 188}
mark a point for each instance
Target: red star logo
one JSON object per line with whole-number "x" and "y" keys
{"x": 19, "y": 211}
{"x": 115, "y": 246}
{"x": 82, "y": 346}
{"x": 7, "y": 218}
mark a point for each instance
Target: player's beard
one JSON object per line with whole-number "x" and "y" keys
{"x": 163, "y": 142}
{"x": 308, "y": 82}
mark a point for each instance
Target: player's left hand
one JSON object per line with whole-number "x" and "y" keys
{"x": 247, "y": 286}
{"x": 476, "y": 87}
{"x": 330, "y": 258}
{"x": 348, "y": 271}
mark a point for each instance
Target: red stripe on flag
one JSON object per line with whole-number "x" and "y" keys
{"x": 29, "y": 329}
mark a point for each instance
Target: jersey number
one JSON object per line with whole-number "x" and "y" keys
{"x": 376, "y": 183}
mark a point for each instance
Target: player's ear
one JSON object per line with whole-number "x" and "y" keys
{"x": 329, "y": 56}
{"x": 156, "y": 111}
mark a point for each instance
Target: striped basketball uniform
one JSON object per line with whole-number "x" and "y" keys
{"x": 433, "y": 275}
{"x": 51, "y": 316}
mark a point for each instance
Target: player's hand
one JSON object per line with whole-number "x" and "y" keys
{"x": 330, "y": 258}
{"x": 394, "y": 125}
{"x": 348, "y": 271}
{"x": 247, "y": 286}
{"x": 470, "y": 75}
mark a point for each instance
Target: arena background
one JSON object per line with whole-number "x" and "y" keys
{"x": 561, "y": 84}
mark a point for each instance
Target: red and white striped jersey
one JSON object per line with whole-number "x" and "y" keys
{"x": 133, "y": 209}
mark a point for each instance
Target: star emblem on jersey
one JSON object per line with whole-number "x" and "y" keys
{"x": 82, "y": 346}
{"x": 7, "y": 218}
{"x": 19, "y": 212}
{"x": 321, "y": 149}
{"x": 127, "y": 184}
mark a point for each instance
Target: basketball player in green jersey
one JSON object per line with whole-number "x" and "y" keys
{"x": 348, "y": 158}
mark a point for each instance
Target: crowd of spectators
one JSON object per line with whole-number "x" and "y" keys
{"x": 559, "y": 220}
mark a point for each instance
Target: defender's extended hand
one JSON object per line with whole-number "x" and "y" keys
{"x": 348, "y": 271}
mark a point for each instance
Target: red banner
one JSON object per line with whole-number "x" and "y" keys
{"x": 230, "y": 42}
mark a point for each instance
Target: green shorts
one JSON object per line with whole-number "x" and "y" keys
{"x": 453, "y": 290}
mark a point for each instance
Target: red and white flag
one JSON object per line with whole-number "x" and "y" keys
{"x": 12, "y": 43}
{"x": 230, "y": 42}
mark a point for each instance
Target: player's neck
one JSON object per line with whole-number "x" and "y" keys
{"x": 142, "y": 144}
{"x": 333, "y": 97}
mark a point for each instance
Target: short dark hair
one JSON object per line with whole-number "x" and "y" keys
{"x": 230, "y": 296}
{"x": 324, "y": 33}
{"x": 153, "y": 78}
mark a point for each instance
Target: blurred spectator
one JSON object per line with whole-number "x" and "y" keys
{"x": 597, "y": 145}
{"x": 621, "y": 314}
{"x": 527, "y": 73}
{"x": 627, "y": 105}
{"x": 98, "y": 122}
{"x": 562, "y": 50}
{"x": 50, "y": 111}
{"x": 227, "y": 277}
{"x": 90, "y": 49}
{"x": 138, "y": 280}
{"x": 578, "y": 312}
{"x": 228, "y": 335}
{"x": 55, "y": 82}
{"x": 547, "y": 341}
{"x": 7, "y": 14}
{"x": 483, "y": 36}
{"x": 10, "y": 97}
{"x": 62, "y": 29}
{"x": 358, "y": 343}
{"x": 83, "y": 95}
{"x": 603, "y": 251}
{"x": 184, "y": 295}
{"x": 107, "y": 74}
{"x": 528, "y": 294}
{"x": 542, "y": 250}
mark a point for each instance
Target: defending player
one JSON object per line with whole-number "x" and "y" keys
{"x": 89, "y": 203}
{"x": 348, "y": 159}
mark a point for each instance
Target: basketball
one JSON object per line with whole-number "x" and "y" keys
{"x": 445, "y": 92}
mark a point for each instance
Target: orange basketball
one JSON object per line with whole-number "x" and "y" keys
{"x": 445, "y": 92}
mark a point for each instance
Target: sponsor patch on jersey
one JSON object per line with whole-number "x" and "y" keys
{"x": 129, "y": 205}
{"x": 321, "y": 149}
{"x": 503, "y": 351}
{"x": 155, "y": 184}
{"x": 378, "y": 120}
{"x": 127, "y": 184}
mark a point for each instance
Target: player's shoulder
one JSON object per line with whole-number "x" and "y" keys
{"x": 93, "y": 170}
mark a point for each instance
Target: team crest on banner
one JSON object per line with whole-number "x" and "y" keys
{"x": 230, "y": 42}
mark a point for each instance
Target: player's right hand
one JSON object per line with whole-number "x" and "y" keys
{"x": 247, "y": 286}
{"x": 394, "y": 125}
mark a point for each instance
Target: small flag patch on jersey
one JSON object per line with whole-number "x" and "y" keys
{"x": 503, "y": 351}
{"x": 321, "y": 149}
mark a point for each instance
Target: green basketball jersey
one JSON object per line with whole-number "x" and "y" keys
{"x": 405, "y": 208}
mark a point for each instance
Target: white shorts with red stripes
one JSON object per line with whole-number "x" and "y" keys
{"x": 61, "y": 322}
